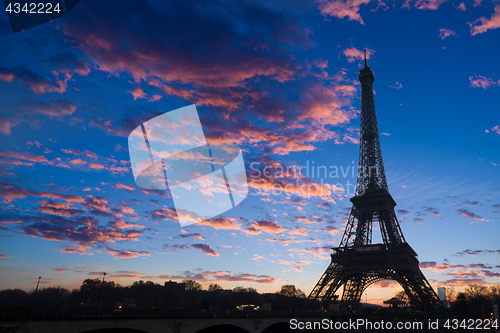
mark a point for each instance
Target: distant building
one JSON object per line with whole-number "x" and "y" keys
{"x": 442, "y": 294}
{"x": 267, "y": 306}
{"x": 175, "y": 294}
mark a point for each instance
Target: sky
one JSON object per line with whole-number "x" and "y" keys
{"x": 279, "y": 79}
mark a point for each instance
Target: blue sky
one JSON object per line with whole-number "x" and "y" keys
{"x": 280, "y": 80}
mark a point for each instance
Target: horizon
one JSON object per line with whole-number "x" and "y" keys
{"x": 280, "y": 80}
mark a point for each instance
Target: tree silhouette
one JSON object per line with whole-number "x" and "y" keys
{"x": 213, "y": 288}
{"x": 192, "y": 285}
{"x": 14, "y": 297}
{"x": 289, "y": 290}
{"x": 192, "y": 289}
{"x": 402, "y": 296}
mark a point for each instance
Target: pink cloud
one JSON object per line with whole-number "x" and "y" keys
{"x": 433, "y": 265}
{"x": 72, "y": 151}
{"x": 90, "y": 154}
{"x": 56, "y": 108}
{"x": 251, "y": 231}
{"x": 7, "y": 122}
{"x": 164, "y": 214}
{"x": 483, "y": 24}
{"x": 353, "y": 54}
{"x": 317, "y": 250}
{"x": 443, "y": 33}
{"x": 496, "y": 129}
{"x": 425, "y": 4}
{"x": 223, "y": 223}
{"x": 342, "y": 8}
{"x": 12, "y": 192}
{"x": 225, "y": 80}
{"x": 297, "y": 231}
{"x": 58, "y": 208}
{"x": 207, "y": 249}
{"x": 125, "y": 253}
{"x": 96, "y": 166}
{"x": 119, "y": 223}
{"x": 78, "y": 161}
{"x": 272, "y": 177}
{"x": 397, "y": 85}
{"x": 33, "y": 81}
{"x": 462, "y": 7}
{"x": 83, "y": 231}
{"x": 333, "y": 230}
{"x": 126, "y": 187}
{"x": 470, "y": 215}
{"x": 137, "y": 93}
{"x": 403, "y": 212}
{"x": 154, "y": 98}
{"x": 77, "y": 248}
{"x": 185, "y": 234}
{"x": 267, "y": 226}
{"x": 205, "y": 276}
{"x": 24, "y": 156}
{"x": 479, "y": 81}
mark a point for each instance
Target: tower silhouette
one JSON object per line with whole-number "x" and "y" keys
{"x": 357, "y": 263}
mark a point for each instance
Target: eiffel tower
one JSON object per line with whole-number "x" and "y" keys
{"x": 357, "y": 263}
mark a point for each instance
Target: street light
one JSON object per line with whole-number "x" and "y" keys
{"x": 366, "y": 304}
{"x": 100, "y": 292}
{"x": 36, "y": 289}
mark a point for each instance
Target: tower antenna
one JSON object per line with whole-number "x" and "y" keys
{"x": 365, "y": 59}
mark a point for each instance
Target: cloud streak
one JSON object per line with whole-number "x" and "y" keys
{"x": 482, "y": 24}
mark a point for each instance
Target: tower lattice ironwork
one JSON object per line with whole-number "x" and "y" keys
{"x": 357, "y": 263}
